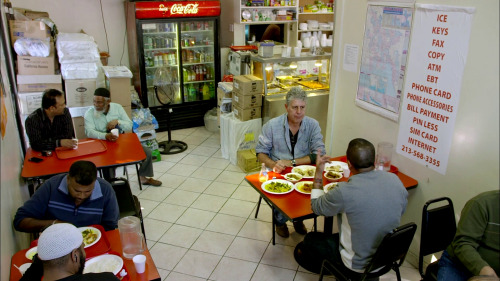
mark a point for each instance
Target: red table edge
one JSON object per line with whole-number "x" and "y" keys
{"x": 32, "y": 153}
{"x": 113, "y": 236}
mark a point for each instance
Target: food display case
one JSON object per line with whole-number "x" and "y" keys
{"x": 310, "y": 72}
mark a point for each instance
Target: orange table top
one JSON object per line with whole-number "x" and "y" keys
{"x": 113, "y": 237}
{"x": 296, "y": 205}
{"x": 125, "y": 151}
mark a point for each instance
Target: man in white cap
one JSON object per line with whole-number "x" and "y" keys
{"x": 62, "y": 255}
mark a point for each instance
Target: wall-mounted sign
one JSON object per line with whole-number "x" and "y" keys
{"x": 169, "y": 9}
{"x": 438, "y": 52}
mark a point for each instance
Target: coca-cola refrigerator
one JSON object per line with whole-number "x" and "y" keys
{"x": 175, "y": 43}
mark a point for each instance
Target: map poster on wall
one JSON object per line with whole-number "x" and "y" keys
{"x": 383, "y": 60}
{"x": 439, "y": 46}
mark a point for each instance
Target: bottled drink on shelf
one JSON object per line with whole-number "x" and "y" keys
{"x": 206, "y": 91}
{"x": 192, "y": 93}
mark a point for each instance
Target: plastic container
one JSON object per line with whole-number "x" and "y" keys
{"x": 266, "y": 50}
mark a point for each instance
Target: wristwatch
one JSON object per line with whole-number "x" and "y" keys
{"x": 294, "y": 163}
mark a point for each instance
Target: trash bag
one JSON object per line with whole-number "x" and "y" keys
{"x": 142, "y": 117}
{"x": 211, "y": 120}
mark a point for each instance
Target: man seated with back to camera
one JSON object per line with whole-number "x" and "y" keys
{"x": 105, "y": 116}
{"x": 368, "y": 206}
{"x": 61, "y": 256}
{"x": 475, "y": 249}
{"x": 51, "y": 125}
{"x": 289, "y": 140}
{"x": 78, "y": 197}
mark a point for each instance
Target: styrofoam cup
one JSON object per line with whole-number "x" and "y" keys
{"x": 140, "y": 263}
{"x": 115, "y": 132}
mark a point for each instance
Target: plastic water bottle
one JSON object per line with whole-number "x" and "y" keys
{"x": 263, "y": 176}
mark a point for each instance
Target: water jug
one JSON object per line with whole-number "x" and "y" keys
{"x": 131, "y": 236}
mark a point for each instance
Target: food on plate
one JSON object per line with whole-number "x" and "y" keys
{"x": 329, "y": 186}
{"x": 31, "y": 253}
{"x": 104, "y": 263}
{"x": 293, "y": 177}
{"x": 333, "y": 176}
{"x": 277, "y": 187}
{"x": 335, "y": 168}
{"x": 305, "y": 171}
{"x": 305, "y": 186}
{"x": 89, "y": 236}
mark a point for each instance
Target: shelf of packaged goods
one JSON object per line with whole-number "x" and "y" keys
{"x": 158, "y": 66}
{"x": 267, "y": 7}
{"x": 196, "y": 63}
{"x": 175, "y": 83}
{"x": 312, "y": 30}
{"x": 268, "y": 22}
{"x": 279, "y": 58}
{"x": 198, "y": 46}
{"x": 160, "y": 49}
{"x": 200, "y": 81}
{"x": 317, "y": 13}
{"x": 196, "y": 31}
{"x": 159, "y": 33}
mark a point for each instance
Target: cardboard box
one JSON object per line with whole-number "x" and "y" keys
{"x": 247, "y": 160}
{"x": 33, "y": 15}
{"x": 118, "y": 83}
{"x": 247, "y": 114}
{"x": 28, "y": 29}
{"x": 38, "y": 83}
{"x": 128, "y": 110}
{"x": 79, "y": 126}
{"x": 27, "y": 65}
{"x": 29, "y": 102}
{"x": 248, "y": 84}
{"x": 80, "y": 92}
{"x": 246, "y": 101}
{"x": 221, "y": 95}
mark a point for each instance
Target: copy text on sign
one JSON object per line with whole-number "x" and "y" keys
{"x": 439, "y": 44}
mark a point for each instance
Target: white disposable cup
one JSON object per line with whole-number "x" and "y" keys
{"x": 140, "y": 263}
{"x": 296, "y": 51}
{"x": 347, "y": 173}
{"x": 76, "y": 146}
{"x": 115, "y": 132}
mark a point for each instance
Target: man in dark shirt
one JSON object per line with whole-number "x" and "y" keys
{"x": 61, "y": 256}
{"x": 51, "y": 126}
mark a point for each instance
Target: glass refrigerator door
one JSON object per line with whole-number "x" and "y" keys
{"x": 161, "y": 61}
{"x": 197, "y": 55}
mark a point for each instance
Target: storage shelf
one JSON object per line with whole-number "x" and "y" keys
{"x": 159, "y": 49}
{"x": 197, "y": 82}
{"x": 267, "y": 7}
{"x": 196, "y": 63}
{"x": 198, "y": 46}
{"x": 318, "y": 13}
{"x": 268, "y": 22}
{"x": 312, "y": 30}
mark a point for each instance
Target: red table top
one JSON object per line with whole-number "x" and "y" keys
{"x": 295, "y": 204}
{"x": 125, "y": 151}
{"x": 113, "y": 237}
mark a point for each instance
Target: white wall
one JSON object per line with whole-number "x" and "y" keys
{"x": 474, "y": 157}
{"x": 75, "y": 15}
{"x": 13, "y": 191}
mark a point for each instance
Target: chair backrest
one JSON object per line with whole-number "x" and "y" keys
{"x": 393, "y": 248}
{"x": 438, "y": 229}
{"x": 124, "y": 196}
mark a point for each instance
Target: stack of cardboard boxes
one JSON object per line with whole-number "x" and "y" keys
{"x": 247, "y": 97}
{"x": 34, "y": 74}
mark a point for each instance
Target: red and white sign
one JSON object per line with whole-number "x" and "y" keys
{"x": 438, "y": 52}
{"x": 180, "y": 9}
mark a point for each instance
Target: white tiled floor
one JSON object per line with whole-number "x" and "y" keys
{"x": 200, "y": 223}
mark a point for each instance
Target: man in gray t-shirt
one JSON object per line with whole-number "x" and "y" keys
{"x": 368, "y": 206}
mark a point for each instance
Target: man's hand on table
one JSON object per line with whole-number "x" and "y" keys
{"x": 320, "y": 167}
{"x": 111, "y": 137}
{"x": 281, "y": 165}
{"x": 112, "y": 124}
{"x": 69, "y": 143}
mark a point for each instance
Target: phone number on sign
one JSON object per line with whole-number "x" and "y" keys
{"x": 420, "y": 155}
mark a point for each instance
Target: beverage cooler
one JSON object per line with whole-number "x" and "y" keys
{"x": 175, "y": 43}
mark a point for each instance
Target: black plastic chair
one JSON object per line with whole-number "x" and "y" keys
{"x": 438, "y": 230}
{"x": 128, "y": 203}
{"x": 390, "y": 254}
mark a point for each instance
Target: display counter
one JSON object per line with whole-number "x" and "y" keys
{"x": 310, "y": 72}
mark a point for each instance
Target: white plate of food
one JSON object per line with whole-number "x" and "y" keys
{"x": 31, "y": 253}
{"x": 90, "y": 235}
{"x": 293, "y": 177}
{"x": 304, "y": 187}
{"x": 330, "y": 186}
{"x": 336, "y": 166}
{"x": 277, "y": 186}
{"x": 307, "y": 171}
{"x": 104, "y": 263}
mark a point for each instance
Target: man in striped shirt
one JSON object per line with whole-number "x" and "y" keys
{"x": 79, "y": 198}
{"x": 50, "y": 126}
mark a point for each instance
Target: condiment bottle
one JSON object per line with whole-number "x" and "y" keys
{"x": 263, "y": 173}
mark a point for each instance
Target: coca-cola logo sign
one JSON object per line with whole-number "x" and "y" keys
{"x": 162, "y": 8}
{"x": 184, "y": 9}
